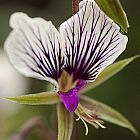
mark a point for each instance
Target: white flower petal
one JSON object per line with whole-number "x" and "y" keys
{"x": 93, "y": 41}
{"x": 35, "y": 47}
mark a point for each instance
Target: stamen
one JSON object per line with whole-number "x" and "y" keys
{"x": 98, "y": 123}
{"x": 78, "y": 118}
{"x": 95, "y": 125}
{"x": 86, "y": 126}
{"x": 86, "y": 133}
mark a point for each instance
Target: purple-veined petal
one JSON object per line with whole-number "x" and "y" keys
{"x": 93, "y": 41}
{"x": 35, "y": 47}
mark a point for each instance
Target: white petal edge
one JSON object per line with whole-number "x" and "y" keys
{"x": 88, "y": 10}
{"x": 28, "y": 30}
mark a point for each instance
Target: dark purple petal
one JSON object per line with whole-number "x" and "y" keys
{"x": 81, "y": 84}
{"x": 93, "y": 41}
{"x": 70, "y": 99}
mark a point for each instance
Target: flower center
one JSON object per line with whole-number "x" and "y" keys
{"x": 66, "y": 82}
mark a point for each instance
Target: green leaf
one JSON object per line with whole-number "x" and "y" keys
{"x": 114, "y": 10}
{"x": 106, "y": 113}
{"x": 65, "y": 123}
{"x": 35, "y": 99}
{"x": 108, "y": 73}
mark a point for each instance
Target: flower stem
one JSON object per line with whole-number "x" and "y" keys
{"x": 75, "y": 5}
{"x": 35, "y": 122}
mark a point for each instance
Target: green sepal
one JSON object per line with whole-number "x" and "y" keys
{"x": 114, "y": 10}
{"x": 108, "y": 73}
{"x": 105, "y": 113}
{"x": 35, "y": 99}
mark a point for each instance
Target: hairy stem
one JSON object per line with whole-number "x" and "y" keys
{"x": 75, "y": 4}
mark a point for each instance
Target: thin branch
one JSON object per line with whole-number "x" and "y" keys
{"x": 75, "y": 5}
{"x": 36, "y": 122}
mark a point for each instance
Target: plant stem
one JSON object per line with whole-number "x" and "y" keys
{"x": 75, "y": 5}
{"x": 36, "y": 122}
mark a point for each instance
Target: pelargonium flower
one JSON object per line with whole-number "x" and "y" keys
{"x": 71, "y": 57}
{"x": 84, "y": 46}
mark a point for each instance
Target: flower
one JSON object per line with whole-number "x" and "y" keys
{"x": 70, "y": 58}
{"x": 74, "y": 59}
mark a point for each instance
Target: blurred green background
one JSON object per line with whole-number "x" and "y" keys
{"x": 121, "y": 92}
